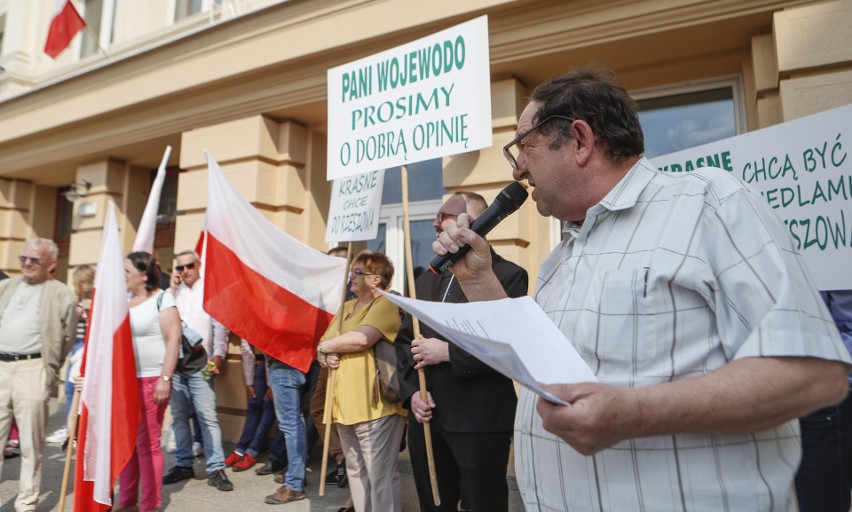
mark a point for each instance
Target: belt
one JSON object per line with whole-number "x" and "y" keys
{"x": 19, "y": 357}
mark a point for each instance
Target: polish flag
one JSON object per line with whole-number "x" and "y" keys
{"x": 109, "y": 410}
{"x": 65, "y": 22}
{"x": 261, "y": 283}
{"x": 148, "y": 225}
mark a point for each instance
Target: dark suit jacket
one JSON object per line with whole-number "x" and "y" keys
{"x": 469, "y": 395}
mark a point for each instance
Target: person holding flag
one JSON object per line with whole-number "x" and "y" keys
{"x": 156, "y": 331}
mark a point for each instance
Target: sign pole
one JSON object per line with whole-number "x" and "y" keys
{"x": 72, "y": 432}
{"x": 332, "y": 375}
{"x": 421, "y": 374}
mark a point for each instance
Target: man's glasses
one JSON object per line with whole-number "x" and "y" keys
{"x": 511, "y": 152}
{"x": 439, "y": 218}
{"x": 188, "y": 266}
{"x": 23, "y": 260}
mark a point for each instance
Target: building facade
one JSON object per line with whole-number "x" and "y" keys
{"x": 246, "y": 80}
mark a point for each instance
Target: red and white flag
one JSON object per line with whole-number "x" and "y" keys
{"x": 263, "y": 284}
{"x": 148, "y": 225}
{"x": 109, "y": 410}
{"x": 65, "y": 22}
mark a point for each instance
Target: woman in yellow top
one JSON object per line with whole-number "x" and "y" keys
{"x": 369, "y": 426}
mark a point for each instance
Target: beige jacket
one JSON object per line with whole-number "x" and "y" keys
{"x": 58, "y": 316}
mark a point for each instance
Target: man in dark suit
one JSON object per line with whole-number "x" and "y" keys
{"x": 471, "y": 407}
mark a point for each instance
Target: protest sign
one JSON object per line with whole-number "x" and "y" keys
{"x": 426, "y": 99}
{"x": 803, "y": 170}
{"x": 355, "y": 205}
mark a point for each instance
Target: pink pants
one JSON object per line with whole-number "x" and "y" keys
{"x": 145, "y": 467}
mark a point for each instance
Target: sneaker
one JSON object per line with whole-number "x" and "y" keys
{"x": 197, "y": 449}
{"x": 10, "y": 453}
{"x": 177, "y": 474}
{"x": 58, "y": 436}
{"x": 247, "y": 462}
{"x": 219, "y": 480}
{"x": 284, "y": 495}
{"x": 232, "y": 459}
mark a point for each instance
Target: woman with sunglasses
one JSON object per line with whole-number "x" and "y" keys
{"x": 370, "y": 426}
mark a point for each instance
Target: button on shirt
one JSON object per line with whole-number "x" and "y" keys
{"x": 669, "y": 278}
{"x": 190, "y": 304}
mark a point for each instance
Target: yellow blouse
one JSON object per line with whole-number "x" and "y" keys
{"x": 354, "y": 383}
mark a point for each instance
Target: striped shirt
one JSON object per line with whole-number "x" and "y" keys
{"x": 669, "y": 278}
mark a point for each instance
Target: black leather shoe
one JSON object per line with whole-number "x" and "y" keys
{"x": 269, "y": 468}
{"x": 279, "y": 477}
{"x": 177, "y": 474}
{"x": 342, "y": 477}
{"x": 219, "y": 480}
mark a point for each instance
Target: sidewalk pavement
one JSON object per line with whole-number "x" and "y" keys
{"x": 196, "y": 496}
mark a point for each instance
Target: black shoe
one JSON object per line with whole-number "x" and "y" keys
{"x": 269, "y": 468}
{"x": 342, "y": 477}
{"x": 279, "y": 477}
{"x": 177, "y": 474}
{"x": 333, "y": 476}
{"x": 219, "y": 480}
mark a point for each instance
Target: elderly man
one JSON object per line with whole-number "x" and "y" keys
{"x": 470, "y": 406}
{"x": 194, "y": 391}
{"x": 37, "y": 322}
{"x": 685, "y": 296}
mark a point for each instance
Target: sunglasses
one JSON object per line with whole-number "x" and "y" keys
{"x": 188, "y": 266}
{"x": 23, "y": 260}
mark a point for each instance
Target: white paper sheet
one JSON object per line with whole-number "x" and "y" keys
{"x": 513, "y": 336}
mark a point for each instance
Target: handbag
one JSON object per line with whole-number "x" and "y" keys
{"x": 192, "y": 356}
{"x": 387, "y": 380}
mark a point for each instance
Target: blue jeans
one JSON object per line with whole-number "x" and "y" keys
{"x": 190, "y": 393}
{"x": 69, "y": 384}
{"x": 260, "y": 415}
{"x": 286, "y": 383}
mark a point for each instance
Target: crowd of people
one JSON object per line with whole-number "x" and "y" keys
{"x": 709, "y": 342}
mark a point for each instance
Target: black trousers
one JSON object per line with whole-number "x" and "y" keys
{"x": 472, "y": 465}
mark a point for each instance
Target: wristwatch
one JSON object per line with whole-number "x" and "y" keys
{"x": 166, "y": 378}
{"x": 319, "y": 349}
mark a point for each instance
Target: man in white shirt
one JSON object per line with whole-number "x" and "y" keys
{"x": 37, "y": 322}
{"x": 195, "y": 392}
{"x": 685, "y": 296}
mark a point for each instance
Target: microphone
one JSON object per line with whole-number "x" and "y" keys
{"x": 507, "y": 201}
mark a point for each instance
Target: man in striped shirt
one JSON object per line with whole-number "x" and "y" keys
{"x": 687, "y": 299}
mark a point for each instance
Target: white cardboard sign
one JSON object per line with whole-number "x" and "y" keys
{"x": 355, "y": 205}
{"x": 426, "y": 99}
{"x": 803, "y": 168}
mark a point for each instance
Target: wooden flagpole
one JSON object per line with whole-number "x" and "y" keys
{"x": 72, "y": 432}
{"x": 421, "y": 374}
{"x": 332, "y": 375}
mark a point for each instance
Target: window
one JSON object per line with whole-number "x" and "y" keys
{"x": 100, "y": 17}
{"x": 425, "y": 191}
{"x": 681, "y": 117}
{"x": 186, "y": 8}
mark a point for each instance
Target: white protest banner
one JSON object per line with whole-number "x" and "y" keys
{"x": 422, "y": 100}
{"x": 803, "y": 170}
{"x": 355, "y": 205}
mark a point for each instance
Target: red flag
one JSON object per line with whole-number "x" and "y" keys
{"x": 263, "y": 284}
{"x": 64, "y": 25}
{"x": 109, "y": 410}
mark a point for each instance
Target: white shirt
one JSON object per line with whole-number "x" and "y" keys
{"x": 670, "y": 278}
{"x": 190, "y": 304}
{"x": 20, "y": 330}
{"x": 149, "y": 346}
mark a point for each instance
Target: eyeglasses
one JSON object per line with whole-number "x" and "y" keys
{"x": 508, "y": 148}
{"x": 439, "y": 218}
{"x": 359, "y": 273}
{"x": 188, "y": 266}
{"x": 34, "y": 261}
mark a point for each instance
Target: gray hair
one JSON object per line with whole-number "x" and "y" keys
{"x": 188, "y": 252}
{"x": 52, "y": 248}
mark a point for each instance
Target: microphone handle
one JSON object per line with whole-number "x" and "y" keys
{"x": 481, "y": 226}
